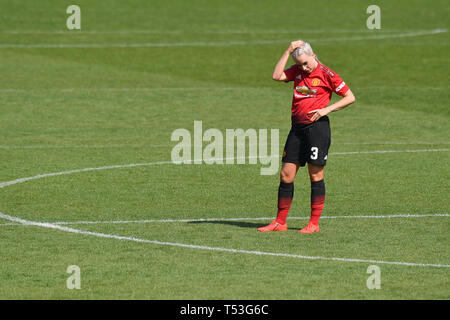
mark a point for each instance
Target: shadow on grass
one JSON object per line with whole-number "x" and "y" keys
{"x": 240, "y": 224}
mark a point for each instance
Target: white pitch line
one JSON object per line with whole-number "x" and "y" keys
{"x": 141, "y": 89}
{"x": 102, "y": 235}
{"x": 156, "y": 242}
{"x": 184, "y": 32}
{"x": 165, "y": 145}
{"x": 389, "y": 36}
{"x": 84, "y": 146}
{"x": 53, "y": 174}
{"x": 389, "y": 151}
{"x": 190, "y": 246}
{"x": 184, "y": 89}
{"x": 144, "y": 221}
{"x": 213, "y": 43}
{"x": 395, "y": 143}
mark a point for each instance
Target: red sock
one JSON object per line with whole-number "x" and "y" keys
{"x": 316, "y": 211}
{"x": 284, "y": 204}
{"x": 285, "y": 195}
{"x": 317, "y": 200}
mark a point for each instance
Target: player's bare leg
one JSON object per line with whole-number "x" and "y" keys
{"x": 315, "y": 172}
{"x": 288, "y": 172}
{"x": 317, "y": 197}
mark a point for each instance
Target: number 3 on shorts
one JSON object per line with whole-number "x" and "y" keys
{"x": 315, "y": 153}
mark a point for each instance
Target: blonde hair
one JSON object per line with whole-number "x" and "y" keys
{"x": 305, "y": 48}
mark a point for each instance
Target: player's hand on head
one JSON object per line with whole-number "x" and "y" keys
{"x": 294, "y": 45}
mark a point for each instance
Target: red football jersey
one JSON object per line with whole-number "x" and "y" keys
{"x": 312, "y": 90}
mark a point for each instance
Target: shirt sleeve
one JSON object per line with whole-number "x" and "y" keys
{"x": 290, "y": 73}
{"x": 338, "y": 85}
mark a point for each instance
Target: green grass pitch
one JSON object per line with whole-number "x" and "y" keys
{"x": 112, "y": 93}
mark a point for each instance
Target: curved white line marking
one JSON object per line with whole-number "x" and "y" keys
{"x": 389, "y": 151}
{"x": 147, "y": 31}
{"x": 111, "y": 146}
{"x": 111, "y": 236}
{"x": 212, "y": 44}
{"x": 53, "y": 174}
{"x": 190, "y": 246}
{"x": 39, "y": 176}
{"x": 387, "y": 216}
{"x": 176, "y": 89}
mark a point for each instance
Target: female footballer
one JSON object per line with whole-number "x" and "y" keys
{"x": 309, "y": 138}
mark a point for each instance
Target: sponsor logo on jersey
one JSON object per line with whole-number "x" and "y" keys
{"x": 305, "y": 90}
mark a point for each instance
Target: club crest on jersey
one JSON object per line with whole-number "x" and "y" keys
{"x": 315, "y": 82}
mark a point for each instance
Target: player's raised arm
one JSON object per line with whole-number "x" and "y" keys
{"x": 278, "y": 72}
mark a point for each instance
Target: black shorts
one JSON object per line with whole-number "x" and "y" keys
{"x": 308, "y": 143}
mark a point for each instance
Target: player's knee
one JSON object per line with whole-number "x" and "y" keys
{"x": 316, "y": 176}
{"x": 287, "y": 176}
{"x": 315, "y": 173}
